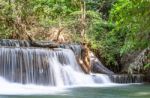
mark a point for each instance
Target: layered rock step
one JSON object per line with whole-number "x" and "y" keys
{"x": 125, "y": 78}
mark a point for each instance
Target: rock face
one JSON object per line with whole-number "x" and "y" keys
{"x": 125, "y": 78}
{"x": 135, "y": 62}
{"x": 97, "y": 66}
{"x": 147, "y": 75}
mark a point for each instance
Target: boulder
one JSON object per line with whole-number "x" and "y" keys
{"x": 135, "y": 62}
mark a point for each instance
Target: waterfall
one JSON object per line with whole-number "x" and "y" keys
{"x": 20, "y": 63}
{"x": 74, "y": 47}
{"x": 15, "y": 43}
{"x": 24, "y": 64}
{"x": 57, "y": 67}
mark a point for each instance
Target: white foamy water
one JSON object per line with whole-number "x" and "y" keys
{"x": 7, "y": 88}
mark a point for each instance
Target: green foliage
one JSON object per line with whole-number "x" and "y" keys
{"x": 37, "y": 13}
{"x": 4, "y": 11}
{"x": 113, "y": 27}
{"x": 126, "y": 31}
{"x": 131, "y": 30}
{"x": 147, "y": 65}
{"x": 131, "y": 18}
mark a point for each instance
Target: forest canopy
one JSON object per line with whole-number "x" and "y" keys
{"x": 113, "y": 28}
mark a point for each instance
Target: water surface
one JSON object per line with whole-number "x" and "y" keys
{"x": 126, "y": 91}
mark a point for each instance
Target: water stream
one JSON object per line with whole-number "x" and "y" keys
{"x": 26, "y": 70}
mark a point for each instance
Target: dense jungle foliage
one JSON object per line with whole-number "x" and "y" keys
{"x": 113, "y": 28}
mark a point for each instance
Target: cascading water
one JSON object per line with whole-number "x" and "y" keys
{"x": 15, "y": 43}
{"x": 56, "y": 67}
{"x": 27, "y": 69}
{"x": 74, "y": 47}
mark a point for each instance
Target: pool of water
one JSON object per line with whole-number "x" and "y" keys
{"x": 124, "y": 91}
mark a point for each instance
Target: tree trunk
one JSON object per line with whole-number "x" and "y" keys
{"x": 83, "y": 16}
{"x": 59, "y": 32}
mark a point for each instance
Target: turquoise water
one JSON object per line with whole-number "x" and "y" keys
{"x": 130, "y": 91}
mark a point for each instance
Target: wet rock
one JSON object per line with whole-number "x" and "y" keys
{"x": 126, "y": 78}
{"x": 97, "y": 66}
{"x": 137, "y": 62}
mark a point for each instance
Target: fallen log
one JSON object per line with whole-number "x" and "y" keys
{"x": 43, "y": 44}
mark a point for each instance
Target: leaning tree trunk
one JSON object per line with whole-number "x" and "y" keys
{"x": 83, "y": 17}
